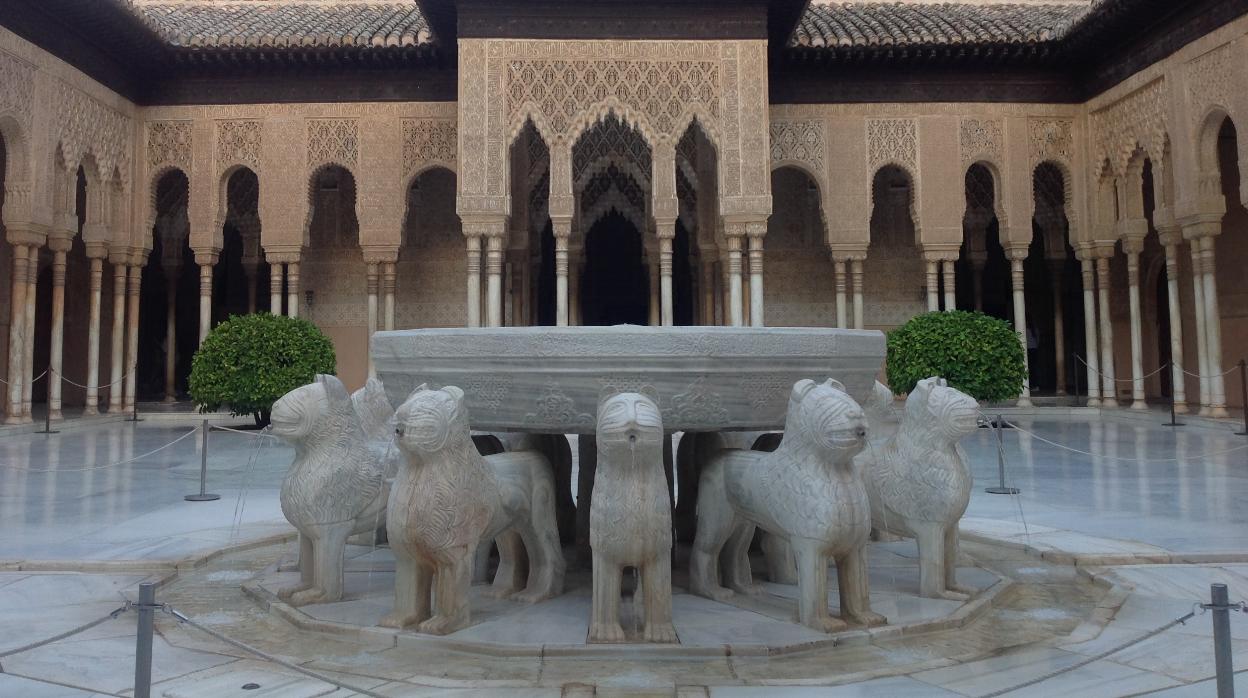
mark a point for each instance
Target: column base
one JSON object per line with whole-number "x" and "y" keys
{"x": 1024, "y": 402}
{"x": 56, "y": 416}
{"x": 90, "y": 411}
{"x": 169, "y": 398}
{"x": 1093, "y": 402}
{"x": 1218, "y": 412}
{"x": 1139, "y": 405}
{"x": 1205, "y": 411}
{"x": 13, "y": 419}
{"x": 1180, "y": 408}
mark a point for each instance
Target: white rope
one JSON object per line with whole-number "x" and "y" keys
{"x": 100, "y": 467}
{"x": 270, "y": 658}
{"x": 1205, "y": 454}
{"x": 1212, "y": 375}
{"x": 36, "y": 379}
{"x": 1095, "y": 658}
{"x": 89, "y": 387}
{"x": 254, "y": 434}
{"x": 68, "y": 633}
{"x": 1123, "y": 380}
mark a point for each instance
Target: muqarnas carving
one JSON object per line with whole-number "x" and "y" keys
{"x": 807, "y": 493}
{"x": 446, "y": 499}
{"x": 630, "y": 520}
{"x": 919, "y": 485}
{"x": 337, "y": 484}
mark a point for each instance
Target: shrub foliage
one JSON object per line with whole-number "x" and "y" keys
{"x": 978, "y": 354}
{"x": 250, "y": 361}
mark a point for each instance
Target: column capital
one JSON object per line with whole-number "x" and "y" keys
{"x": 283, "y": 254}
{"x": 207, "y": 257}
{"x": 1132, "y": 229}
{"x": 1017, "y": 252}
{"x": 1201, "y": 225}
{"x": 380, "y": 254}
{"x": 847, "y": 252}
{"x": 477, "y": 225}
{"x": 97, "y": 250}
{"x": 26, "y": 233}
{"x": 1133, "y": 245}
{"x": 60, "y": 241}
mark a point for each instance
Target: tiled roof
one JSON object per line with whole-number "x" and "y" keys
{"x": 881, "y": 25}
{"x": 294, "y": 24}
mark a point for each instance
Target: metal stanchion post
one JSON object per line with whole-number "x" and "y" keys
{"x": 203, "y": 495}
{"x": 47, "y": 422}
{"x": 1221, "y": 609}
{"x": 1243, "y": 387}
{"x": 143, "y": 641}
{"x": 134, "y": 412}
{"x": 1001, "y": 488}
{"x": 1173, "y": 421}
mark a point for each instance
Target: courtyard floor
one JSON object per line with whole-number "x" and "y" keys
{"x": 1120, "y": 526}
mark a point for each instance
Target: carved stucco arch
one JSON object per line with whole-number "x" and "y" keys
{"x": 914, "y": 196}
{"x": 153, "y": 206}
{"x": 1068, "y": 191}
{"x": 315, "y": 171}
{"x": 613, "y": 200}
{"x": 820, "y": 188}
{"x": 1206, "y": 138}
{"x": 424, "y": 169}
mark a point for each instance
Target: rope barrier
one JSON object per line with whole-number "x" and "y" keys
{"x": 34, "y": 380}
{"x": 1095, "y": 658}
{"x": 1117, "y": 458}
{"x": 110, "y": 465}
{"x": 1124, "y": 380}
{"x": 1211, "y": 375}
{"x": 68, "y": 633}
{"x": 255, "y": 434}
{"x": 105, "y": 386}
{"x": 268, "y": 657}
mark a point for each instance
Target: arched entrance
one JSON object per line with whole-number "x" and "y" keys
{"x": 615, "y": 288}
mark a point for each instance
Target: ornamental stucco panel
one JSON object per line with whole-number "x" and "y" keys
{"x": 659, "y": 87}
{"x": 1137, "y": 120}
{"x": 981, "y": 139}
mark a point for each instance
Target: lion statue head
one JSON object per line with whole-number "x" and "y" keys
{"x": 825, "y": 417}
{"x": 322, "y": 407}
{"x": 937, "y": 410}
{"x": 629, "y": 420}
{"x": 431, "y": 419}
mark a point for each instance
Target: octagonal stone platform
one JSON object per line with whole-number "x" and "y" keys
{"x": 745, "y": 625}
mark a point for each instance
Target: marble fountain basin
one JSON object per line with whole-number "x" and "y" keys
{"x": 549, "y": 379}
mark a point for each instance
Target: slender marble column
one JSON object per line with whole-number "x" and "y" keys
{"x": 206, "y": 262}
{"x": 1020, "y": 318}
{"x": 93, "y": 338}
{"x": 171, "y": 332}
{"x": 117, "y": 379}
{"x": 857, "y": 276}
{"x": 563, "y": 231}
{"x": 132, "y": 332}
{"x": 575, "y": 271}
{"x": 277, "y": 270}
{"x": 725, "y": 293}
{"x": 756, "y": 281}
{"x": 1177, "y": 379}
{"x": 17, "y": 333}
{"x": 655, "y": 314}
{"x": 951, "y": 294}
{"x": 1091, "y": 350}
{"x": 389, "y": 283}
{"x": 372, "y": 283}
{"x": 736, "y": 313}
{"x": 1058, "y": 267}
{"x": 292, "y": 289}
{"x": 933, "y": 286}
{"x": 60, "y": 246}
{"x": 745, "y": 283}
{"x": 250, "y": 271}
{"x": 1202, "y": 337}
{"x": 838, "y": 266}
{"x": 1109, "y": 385}
{"x": 494, "y": 280}
{"x": 1133, "y": 249}
{"x": 1213, "y": 326}
{"x": 28, "y": 371}
{"x": 666, "y": 312}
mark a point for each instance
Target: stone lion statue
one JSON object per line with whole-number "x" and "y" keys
{"x": 337, "y": 484}
{"x": 806, "y": 493}
{"x": 630, "y": 521}
{"x": 446, "y": 499}
{"x": 919, "y": 484}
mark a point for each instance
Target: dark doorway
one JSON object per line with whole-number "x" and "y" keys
{"x": 615, "y": 288}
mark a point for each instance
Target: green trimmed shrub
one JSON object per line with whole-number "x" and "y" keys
{"x": 978, "y": 354}
{"x": 250, "y": 361}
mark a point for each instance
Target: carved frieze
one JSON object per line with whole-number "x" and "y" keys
{"x": 17, "y": 88}
{"x": 428, "y": 141}
{"x": 238, "y": 143}
{"x": 892, "y": 141}
{"x": 169, "y": 144}
{"x": 333, "y": 141}
{"x": 980, "y": 139}
{"x": 1209, "y": 81}
{"x": 798, "y": 141}
{"x": 1050, "y": 139}
{"x": 1137, "y": 120}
